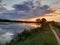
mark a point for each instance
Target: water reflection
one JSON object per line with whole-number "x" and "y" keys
{"x": 34, "y": 25}
{"x": 10, "y": 30}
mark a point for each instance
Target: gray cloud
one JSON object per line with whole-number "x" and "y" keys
{"x": 32, "y": 10}
{"x": 26, "y": 10}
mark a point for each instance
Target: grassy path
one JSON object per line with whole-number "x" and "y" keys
{"x": 57, "y": 37}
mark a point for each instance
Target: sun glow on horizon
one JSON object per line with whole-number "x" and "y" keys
{"x": 54, "y": 16}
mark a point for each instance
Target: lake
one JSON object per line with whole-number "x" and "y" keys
{"x": 10, "y": 30}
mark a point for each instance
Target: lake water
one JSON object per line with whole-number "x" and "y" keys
{"x": 10, "y": 30}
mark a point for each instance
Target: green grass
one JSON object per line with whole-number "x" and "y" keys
{"x": 57, "y": 25}
{"x": 38, "y": 36}
{"x": 57, "y": 28}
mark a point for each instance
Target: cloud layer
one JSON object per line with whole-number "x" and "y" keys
{"x": 26, "y": 10}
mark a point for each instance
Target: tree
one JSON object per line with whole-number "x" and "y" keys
{"x": 38, "y": 20}
{"x": 43, "y": 20}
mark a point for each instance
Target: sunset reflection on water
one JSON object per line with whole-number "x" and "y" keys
{"x": 34, "y": 25}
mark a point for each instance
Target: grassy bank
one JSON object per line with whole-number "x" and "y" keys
{"x": 57, "y": 25}
{"x": 57, "y": 28}
{"x": 38, "y": 36}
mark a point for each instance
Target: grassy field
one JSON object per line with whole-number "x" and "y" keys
{"x": 38, "y": 36}
{"x": 57, "y": 28}
{"x": 57, "y": 25}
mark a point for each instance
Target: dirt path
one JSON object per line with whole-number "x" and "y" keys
{"x": 57, "y": 37}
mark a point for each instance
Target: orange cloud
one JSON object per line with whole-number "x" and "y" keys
{"x": 51, "y": 16}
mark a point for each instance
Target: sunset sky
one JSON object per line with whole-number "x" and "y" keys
{"x": 54, "y": 6}
{"x": 25, "y": 10}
